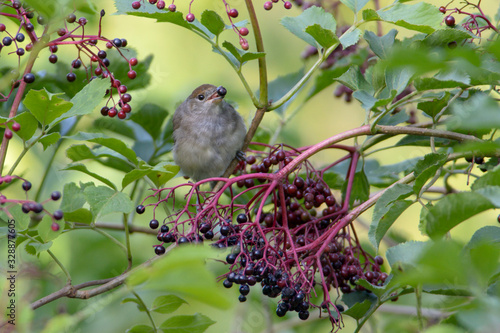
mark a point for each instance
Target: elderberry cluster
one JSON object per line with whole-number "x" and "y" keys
{"x": 90, "y": 56}
{"x": 290, "y": 236}
{"x": 28, "y": 206}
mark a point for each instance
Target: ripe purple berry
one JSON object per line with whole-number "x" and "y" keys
{"x": 190, "y": 17}
{"x": 56, "y": 195}
{"x": 450, "y": 21}
{"x": 140, "y": 209}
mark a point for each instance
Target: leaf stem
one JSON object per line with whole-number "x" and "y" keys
{"x": 303, "y": 80}
{"x": 145, "y": 309}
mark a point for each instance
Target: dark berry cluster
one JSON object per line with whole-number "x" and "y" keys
{"x": 286, "y": 229}
{"x": 92, "y": 58}
{"x": 28, "y": 206}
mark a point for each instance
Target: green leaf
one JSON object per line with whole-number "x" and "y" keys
{"x": 119, "y": 127}
{"x": 81, "y": 215}
{"x": 22, "y": 219}
{"x": 427, "y": 168}
{"x": 135, "y": 174}
{"x": 72, "y": 198}
{"x": 241, "y": 56}
{"x": 422, "y": 17}
{"x": 49, "y": 139}
{"x": 28, "y": 123}
{"x": 167, "y": 303}
{"x": 350, "y": 37}
{"x": 85, "y": 101}
{"x": 163, "y": 172}
{"x": 491, "y": 178}
{"x": 466, "y": 117}
{"x": 370, "y": 15}
{"x": 452, "y": 210}
{"x": 141, "y": 328}
{"x": 486, "y": 235}
{"x": 381, "y": 45}
{"x": 82, "y": 168}
{"x": 432, "y": 108}
{"x": 281, "y": 85}
{"x": 397, "y": 79}
{"x": 140, "y": 306}
{"x": 405, "y": 255}
{"x": 44, "y": 106}
{"x": 492, "y": 193}
{"x": 387, "y": 209}
{"x": 376, "y": 290}
{"x": 212, "y": 21}
{"x": 45, "y": 231}
{"x": 354, "y": 79}
{"x": 112, "y": 143}
{"x": 311, "y": 16}
{"x": 355, "y": 5}
{"x": 358, "y": 310}
{"x": 196, "y": 323}
{"x": 35, "y": 248}
{"x": 333, "y": 180}
{"x": 188, "y": 275}
{"x": 360, "y": 188}
{"x": 150, "y": 117}
{"x": 324, "y": 37}
{"x": 443, "y": 37}
{"x": 174, "y": 18}
{"x": 104, "y": 200}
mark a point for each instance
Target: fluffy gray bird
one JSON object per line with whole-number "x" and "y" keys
{"x": 208, "y": 133}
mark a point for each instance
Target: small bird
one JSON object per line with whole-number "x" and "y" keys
{"x": 208, "y": 133}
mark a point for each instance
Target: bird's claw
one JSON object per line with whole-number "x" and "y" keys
{"x": 240, "y": 155}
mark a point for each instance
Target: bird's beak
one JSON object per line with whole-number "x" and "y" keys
{"x": 215, "y": 96}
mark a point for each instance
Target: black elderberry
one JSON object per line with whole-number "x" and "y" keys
{"x": 204, "y": 227}
{"x": 164, "y": 228}
{"x": 71, "y": 77}
{"x": 20, "y": 37}
{"x": 29, "y": 78}
{"x": 227, "y": 283}
{"x": 117, "y": 42}
{"x": 6, "y": 41}
{"x": 241, "y": 218}
{"x": 224, "y": 230}
{"x": 231, "y": 258}
{"x": 25, "y": 208}
{"x": 242, "y": 298}
{"x": 153, "y": 224}
{"x": 168, "y": 238}
{"x": 280, "y": 312}
{"x": 209, "y": 234}
{"x": 140, "y": 209}
{"x": 159, "y": 250}
{"x": 26, "y": 186}
{"x": 182, "y": 240}
{"x": 244, "y": 289}
{"x": 37, "y": 208}
{"x": 303, "y": 315}
{"x": 58, "y": 214}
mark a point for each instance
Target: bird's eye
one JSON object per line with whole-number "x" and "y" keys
{"x": 201, "y": 97}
